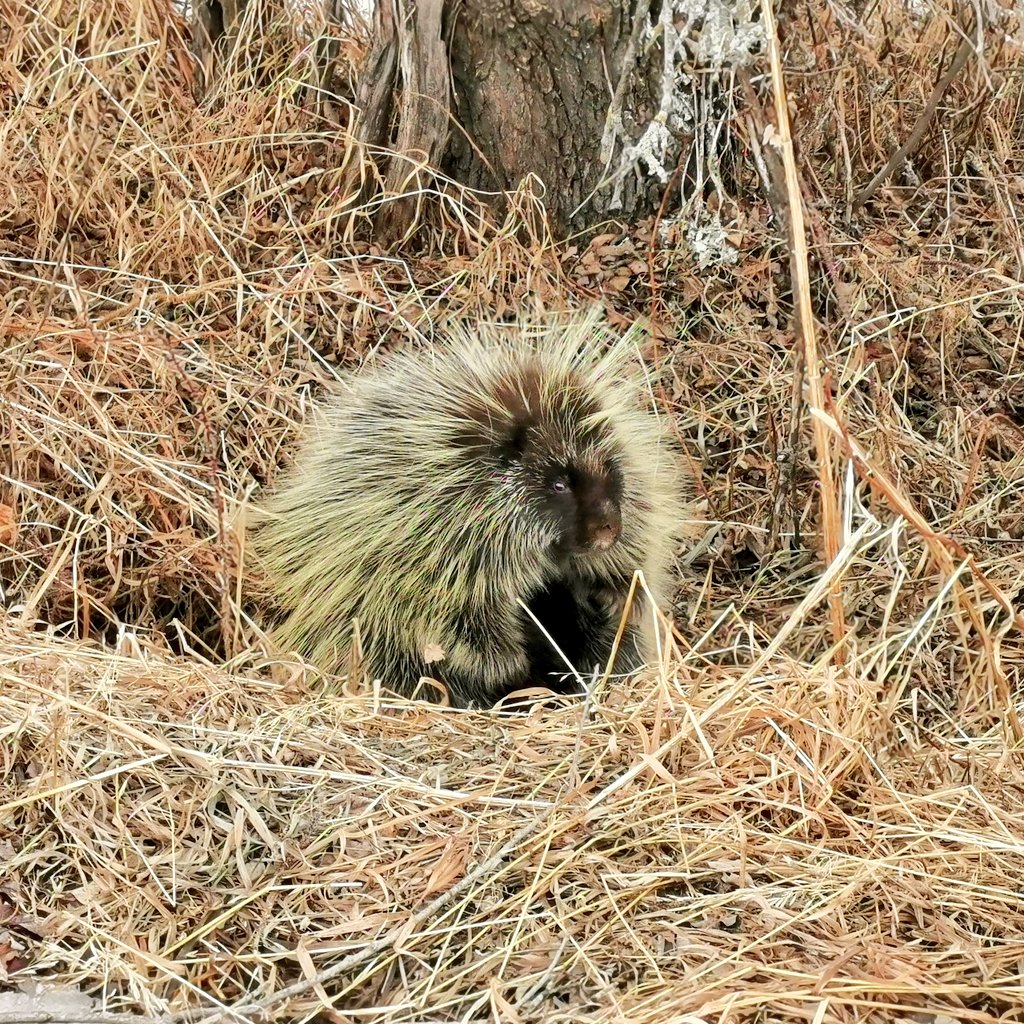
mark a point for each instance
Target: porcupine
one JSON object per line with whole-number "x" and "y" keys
{"x": 447, "y": 489}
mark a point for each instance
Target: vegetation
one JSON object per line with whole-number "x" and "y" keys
{"x": 810, "y": 810}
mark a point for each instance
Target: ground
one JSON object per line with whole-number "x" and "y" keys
{"x": 772, "y": 824}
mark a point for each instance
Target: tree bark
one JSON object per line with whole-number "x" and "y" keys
{"x": 530, "y": 89}
{"x": 533, "y": 84}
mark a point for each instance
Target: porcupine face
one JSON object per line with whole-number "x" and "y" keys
{"x": 552, "y": 454}
{"x": 576, "y": 494}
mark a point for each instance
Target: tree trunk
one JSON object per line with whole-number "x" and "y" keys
{"x": 531, "y": 89}
{"x": 533, "y": 84}
{"x": 593, "y": 99}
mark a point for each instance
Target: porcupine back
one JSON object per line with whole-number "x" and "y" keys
{"x": 405, "y": 512}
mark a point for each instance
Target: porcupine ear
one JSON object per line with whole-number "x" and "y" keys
{"x": 511, "y": 444}
{"x": 492, "y": 432}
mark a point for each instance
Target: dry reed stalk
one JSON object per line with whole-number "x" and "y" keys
{"x": 811, "y": 364}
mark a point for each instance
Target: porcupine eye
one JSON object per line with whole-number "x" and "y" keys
{"x": 557, "y": 498}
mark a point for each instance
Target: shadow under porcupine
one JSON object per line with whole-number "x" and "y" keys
{"x": 437, "y": 495}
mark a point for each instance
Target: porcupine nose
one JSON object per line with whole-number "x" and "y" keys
{"x": 604, "y": 530}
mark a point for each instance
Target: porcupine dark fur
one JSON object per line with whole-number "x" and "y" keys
{"x": 437, "y": 494}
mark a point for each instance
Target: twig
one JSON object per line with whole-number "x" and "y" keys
{"x": 909, "y": 147}
{"x": 773, "y": 176}
{"x": 615, "y": 107}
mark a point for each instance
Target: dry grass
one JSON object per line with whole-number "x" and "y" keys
{"x": 705, "y": 841}
{"x": 754, "y": 832}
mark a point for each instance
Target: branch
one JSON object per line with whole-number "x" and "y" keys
{"x": 909, "y": 147}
